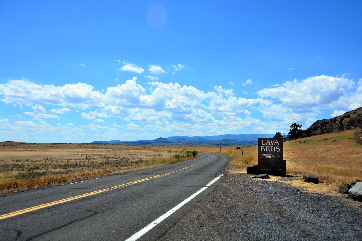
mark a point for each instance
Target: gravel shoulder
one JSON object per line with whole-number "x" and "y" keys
{"x": 243, "y": 208}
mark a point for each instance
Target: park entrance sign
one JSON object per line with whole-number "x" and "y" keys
{"x": 270, "y": 156}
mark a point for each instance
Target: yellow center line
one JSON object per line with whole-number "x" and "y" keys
{"x": 26, "y": 210}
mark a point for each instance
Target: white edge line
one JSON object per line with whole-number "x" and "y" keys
{"x": 171, "y": 211}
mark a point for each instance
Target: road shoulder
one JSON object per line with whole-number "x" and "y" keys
{"x": 242, "y": 208}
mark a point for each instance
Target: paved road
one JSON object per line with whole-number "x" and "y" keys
{"x": 111, "y": 208}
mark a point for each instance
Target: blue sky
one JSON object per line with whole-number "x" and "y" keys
{"x": 79, "y": 71}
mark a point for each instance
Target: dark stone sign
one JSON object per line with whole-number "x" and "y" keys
{"x": 270, "y": 156}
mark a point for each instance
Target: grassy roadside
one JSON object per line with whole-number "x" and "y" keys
{"x": 335, "y": 158}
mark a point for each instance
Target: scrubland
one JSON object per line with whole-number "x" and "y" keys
{"x": 335, "y": 158}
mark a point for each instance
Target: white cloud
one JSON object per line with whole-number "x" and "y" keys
{"x": 127, "y": 94}
{"x": 177, "y": 67}
{"x": 173, "y": 108}
{"x": 99, "y": 120}
{"x": 337, "y": 113}
{"x": 60, "y": 111}
{"x": 87, "y": 116}
{"x": 82, "y": 65}
{"x": 76, "y": 95}
{"x": 146, "y": 115}
{"x": 19, "y": 116}
{"x": 134, "y": 127}
{"x": 247, "y": 82}
{"x": 98, "y": 114}
{"x": 117, "y": 126}
{"x": 39, "y": 131}
{"x": 4, "y": 124}
{"x": 173, "y": 96}
{"x": 132, "y": 68}
{"x": 291, "y": 68}
{"x": 319, "y": 91}
{"x": 38, "y": 108}
{"x": 98, "y": 128}
{"x": 154, "y": 69}
{"x": 227, "y": 92}
{"x": 38, "y": 116}
{"x": 152, "y": 78}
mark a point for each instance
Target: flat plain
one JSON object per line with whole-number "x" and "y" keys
{"x": 335, "y": 158}
{"x": 25, "y": 165}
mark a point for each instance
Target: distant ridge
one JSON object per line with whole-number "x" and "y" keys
{"x": 348, "y": 121}
{"x": 224, "y": 140}
{"x": 235, "y": 137}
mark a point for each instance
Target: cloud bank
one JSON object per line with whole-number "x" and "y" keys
{"x": 158, "y": 107}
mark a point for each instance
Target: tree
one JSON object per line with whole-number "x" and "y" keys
{"x": 278, "y": 135}
{"x": 295, "y": 131}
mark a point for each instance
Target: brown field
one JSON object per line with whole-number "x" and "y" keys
{"x": 24, "y": 165}
{"x": 334, "y": 158}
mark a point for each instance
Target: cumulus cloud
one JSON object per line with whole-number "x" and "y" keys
{"x": 128, "y": 94}
{"x": 174, "y": 108}
{"x": 132, "y": 68}
{"x": 154, "y": 69}
{"x": 132, "y": 102}
{"x": 319, "y": 91}
{"x": 78, "y": 95}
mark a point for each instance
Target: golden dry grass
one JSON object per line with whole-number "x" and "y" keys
{"x": 335, "y": 158}
{"x": 25, "y": 165}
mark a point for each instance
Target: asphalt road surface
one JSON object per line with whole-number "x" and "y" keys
{"x": 110, "y": 208}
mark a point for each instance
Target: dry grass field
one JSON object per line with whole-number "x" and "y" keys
{"x": 335, "y": 158}
{"x": 24, "y": 165}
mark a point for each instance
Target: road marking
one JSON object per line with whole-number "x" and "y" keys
{"x": 171, "y": 211}
{"x": 41, "y": 206}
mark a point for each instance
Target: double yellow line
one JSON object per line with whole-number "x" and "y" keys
{"x": 26, "y": 210}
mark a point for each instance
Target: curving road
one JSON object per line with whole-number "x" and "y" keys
{"x": 110, "y": 208}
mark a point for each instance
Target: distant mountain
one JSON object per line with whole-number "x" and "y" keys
{"x": 225, "y": 140}
{"x": 348, "y": 121}
{"x": 234, "y": 137}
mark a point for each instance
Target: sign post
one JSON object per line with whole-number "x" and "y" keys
{"x": 270, "y": 156}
